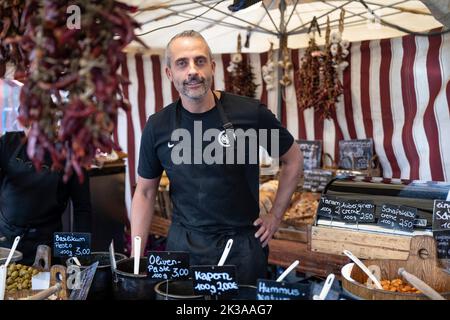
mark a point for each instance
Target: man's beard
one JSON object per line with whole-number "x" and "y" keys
{"x": 197, "y": 93}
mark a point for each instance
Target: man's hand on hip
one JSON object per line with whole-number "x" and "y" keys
{"x": 268, "y": 225}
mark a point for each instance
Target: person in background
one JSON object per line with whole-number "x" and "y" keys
{"x": 212, "y": 202}
{"x": 32, "y": 201}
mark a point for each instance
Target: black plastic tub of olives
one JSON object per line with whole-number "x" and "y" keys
{"x": 184, "y": 290}
{"x": 130, "y": 286}
{"x": 101, "y": 287}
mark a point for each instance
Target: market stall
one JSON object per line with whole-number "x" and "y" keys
{"x": 368, "y": 110}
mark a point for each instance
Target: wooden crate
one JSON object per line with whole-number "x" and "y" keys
{"x": 297, "y": 233}
{"x": 363, "y": 244}
{"x": 58, "y": 279}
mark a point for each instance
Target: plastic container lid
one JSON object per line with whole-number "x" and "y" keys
{"x": 4, "y": 252}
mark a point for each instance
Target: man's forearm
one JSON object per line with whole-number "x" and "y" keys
{"x": 142, "y": 209}
{"x": 287, "y": 184}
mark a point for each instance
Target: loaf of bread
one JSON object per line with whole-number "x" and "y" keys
{"x": 303, "y": 209}
{"x": 271, "y": 185}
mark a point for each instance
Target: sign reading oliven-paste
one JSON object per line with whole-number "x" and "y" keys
{"x": 353, "y": 211}
{"x": 273, "y": 290}
{"x": 214, "y": 280}
{"x": 329, "y": 207}
{"x": 168, "y": 265}
{"x": 71, "y": 244}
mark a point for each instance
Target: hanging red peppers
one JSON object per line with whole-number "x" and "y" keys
{"x": 240, "y": 77}
{"x": 309, "y": 76}
{"x": 11, "y": 28}
{"x": 73, "y": 93}
{"x": 331, "y": 87}
{"x": 320, "y": 86}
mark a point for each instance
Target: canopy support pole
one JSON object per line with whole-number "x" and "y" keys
{"x": 282, "y": 43}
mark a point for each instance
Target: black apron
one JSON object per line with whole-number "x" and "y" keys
{"x": 27, "y": 182}
{"x": 206, "y": 247}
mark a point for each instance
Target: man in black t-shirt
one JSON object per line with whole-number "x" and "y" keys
{"x": 207, "y": 142}
{"x": 32, "y": 202}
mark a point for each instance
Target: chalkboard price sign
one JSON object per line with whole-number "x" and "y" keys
{"x": 355, "y": 154}
{"x": 406, "y": 218}
{"x": 316, "y": 180}
{"x": 167, "y": 265}
{"x": 388, "y": 216}
{"x": 442, "y": 239}
{"x": 441, "y": 215}
{"x": 71, "y": 244}
{"x": 329, "y": 207}
{"x": 312, "y": 152}
{"x": 272, "y": 290}
{"x": 357, "y": 211}
{"x": 397, "y": 217}
{"x": 86, "y": 277}
{"x": 214, "y": 280}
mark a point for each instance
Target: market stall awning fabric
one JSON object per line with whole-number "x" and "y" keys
{"x": 162, "y": 19}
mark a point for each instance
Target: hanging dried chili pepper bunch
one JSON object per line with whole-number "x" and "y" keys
{"x": 330, "y": 85}
{"x": 240, "y": 77}
{"x": 72, "y": 96}
{"x": 11, "y": 28}
{"x": 309, "y": 75}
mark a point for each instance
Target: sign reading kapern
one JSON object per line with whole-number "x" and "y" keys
{"x": 214, "y": 280}
{"x": 71, "y": 244}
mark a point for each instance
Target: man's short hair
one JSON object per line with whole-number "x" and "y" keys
{"x": 186, "y": 34}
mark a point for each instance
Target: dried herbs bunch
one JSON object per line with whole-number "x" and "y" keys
{"x": 72, "y": 95}
{"x": 240, "y": 77}
{"x": 11, "y": 28}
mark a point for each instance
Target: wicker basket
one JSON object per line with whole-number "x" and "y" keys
{"x": 373, "y": 171}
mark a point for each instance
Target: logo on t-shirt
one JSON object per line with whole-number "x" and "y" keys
{"x": 224, "y": 140}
